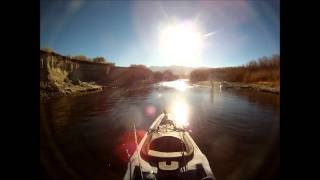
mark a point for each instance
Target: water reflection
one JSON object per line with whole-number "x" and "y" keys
{"x": 211, "y": 95}
{"x": 238, "y": 131}
{"x": 181, "y": 84}
{"x": 180, "y": 110}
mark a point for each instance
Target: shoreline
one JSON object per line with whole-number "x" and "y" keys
{"x": 49, "y": 91}
{"x": 83, "y": 89}
{"x": 260, "y": 86}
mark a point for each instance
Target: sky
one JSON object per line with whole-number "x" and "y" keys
{"x": 162, "y": 33}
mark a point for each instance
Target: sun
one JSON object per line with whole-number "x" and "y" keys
{"x": 181, "y": 42}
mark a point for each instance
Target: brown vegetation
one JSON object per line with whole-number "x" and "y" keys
{"x": 81, "y": 58}
{"x": 99, "y": 60}
{"x": 165, "y": 76}
{"x": 265, "y": 69}
{"x": 60, "y": 75}
{"x": 49, "y": 50}
{"x": 140, "y": 74}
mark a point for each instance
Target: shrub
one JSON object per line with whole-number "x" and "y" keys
{"x": 263, "y": 69}
{"x": 99, "y": 60}
{"x": 81, "y": 58}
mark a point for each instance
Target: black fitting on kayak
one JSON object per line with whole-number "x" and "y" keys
{"x": 164, "y": 112}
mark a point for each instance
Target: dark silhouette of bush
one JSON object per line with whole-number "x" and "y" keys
{"x": 199, "y": 75}
{"x": 138, "y": 66}
{"x": 158, "y": 76}
{"x": 168, "y": 76}
{"x": 164, "y": 76}
{"x": 81, "y": 58}
{"x": 99, "y": 60}
{"x": 137, "y": 74}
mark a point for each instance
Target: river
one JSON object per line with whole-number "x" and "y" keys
{"x": 86, "y": 137}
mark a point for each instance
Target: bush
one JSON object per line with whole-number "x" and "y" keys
{"x": 263, "y": 69}
{"x": 135, "y": 74}
{"x": 158, "y": 76}
{"x": 138, "y": 66}
{"x": 81, "y": 58}
{"x": 99, "y": 60}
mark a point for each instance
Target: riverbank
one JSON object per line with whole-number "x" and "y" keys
{"x": 51, "y": 90}
{"x": 65, "y": 75}
{"x": 270, "y": 87}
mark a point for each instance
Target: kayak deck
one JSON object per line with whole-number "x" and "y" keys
{"x": 167, "y": 151}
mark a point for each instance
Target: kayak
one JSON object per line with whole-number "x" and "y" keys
{"x": 167, "y": 152}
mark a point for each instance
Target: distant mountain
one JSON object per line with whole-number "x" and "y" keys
{"x": 181, "y": 71}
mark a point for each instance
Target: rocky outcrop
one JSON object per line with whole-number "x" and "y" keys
{"x": 64, "y": 75}
{"x": 61, "y": 75}
{"x": 55, "y": 67}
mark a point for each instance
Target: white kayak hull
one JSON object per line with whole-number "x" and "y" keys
{"x": 168, "y": 165}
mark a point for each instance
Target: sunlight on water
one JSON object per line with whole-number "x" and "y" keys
{"x": 180, "y": 111}
{"x": 180, "y": 85}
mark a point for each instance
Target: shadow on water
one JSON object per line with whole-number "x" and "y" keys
{"x": 85, "y": 137}
{"x": 78, "y": 134}
{"x": 240, "y": 134}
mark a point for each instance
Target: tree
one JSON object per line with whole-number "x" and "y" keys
{"x": 99, "y": 60}
{"x": 138, "y": 66}
{"x": 81, "y": 58}
{"x": 158, "y": 75}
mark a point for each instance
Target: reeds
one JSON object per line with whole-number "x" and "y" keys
{"x": 265, "y": 69}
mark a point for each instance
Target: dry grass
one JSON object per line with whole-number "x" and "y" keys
{"x": 265, "y": 69}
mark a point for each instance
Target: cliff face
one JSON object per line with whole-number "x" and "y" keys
{"x": 60, "y": 75}
{"x": 58, "y": 68}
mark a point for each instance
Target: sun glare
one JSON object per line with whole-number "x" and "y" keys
{"x": 181, "y": 112}
{"x": 180, "y": 84}
{"x": 181, "y": 42}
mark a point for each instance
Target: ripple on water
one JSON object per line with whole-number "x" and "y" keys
{"x": 235, "y": 129}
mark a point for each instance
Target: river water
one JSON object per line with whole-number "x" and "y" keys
{"x": 86, "y": 137}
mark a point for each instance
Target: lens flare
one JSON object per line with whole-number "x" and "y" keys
{"x": 126, "y": 144}
{"x": 150, "y": 111}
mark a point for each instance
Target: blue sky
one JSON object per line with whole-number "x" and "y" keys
{"x": 128, "y": 32}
